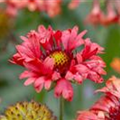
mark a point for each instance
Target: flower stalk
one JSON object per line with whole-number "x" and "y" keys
{"x": 61, "y": 108}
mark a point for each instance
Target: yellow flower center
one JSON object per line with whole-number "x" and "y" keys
{"x": 61, "y": 60}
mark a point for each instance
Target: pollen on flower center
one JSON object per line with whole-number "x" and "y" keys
{"x": 61, "y": 60}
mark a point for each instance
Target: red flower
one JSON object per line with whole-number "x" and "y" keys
{"x": 111, "y": 16}
{"x": 13, "y": 6}
{"x": 87, "y": 115}
{"x": 53, "y": 57}
{"x": 95, "y": 15}
{"x": 108, "y": 106}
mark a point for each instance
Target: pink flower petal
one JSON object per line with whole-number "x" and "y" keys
{"x": 29, "y": 81}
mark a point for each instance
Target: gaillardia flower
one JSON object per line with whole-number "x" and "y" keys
{"x": 51, "y": 56}
{"x": 107, "y": 17}
{"x": 51, "y": 7}
{"x": 27, "y": 111}
{"x": 108, "y": 106}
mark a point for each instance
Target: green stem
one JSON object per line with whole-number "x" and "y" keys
{"x": 61, "y": 107}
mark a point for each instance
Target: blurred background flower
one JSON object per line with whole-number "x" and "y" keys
{"x": 108, "y": 106}
{"x": 99, "y": 14}
{"x": 52, "y": 7}
{"x": 115, "y": 64}
{"x": 27, "y": 111}
{"x": 104, "y": 17}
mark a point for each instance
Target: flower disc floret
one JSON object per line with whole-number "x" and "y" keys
{"x": 61, "y": 60}
{"x": 27, "y": 111}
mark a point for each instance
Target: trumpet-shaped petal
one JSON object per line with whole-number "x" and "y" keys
{"x": 65, "y": 89}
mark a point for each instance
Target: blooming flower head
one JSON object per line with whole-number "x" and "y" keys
{"x": 115, "y": 64}
{"x": 52, "y": 57}
{"x": 27, "y": 111}
{"x": 108, "y": 106}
